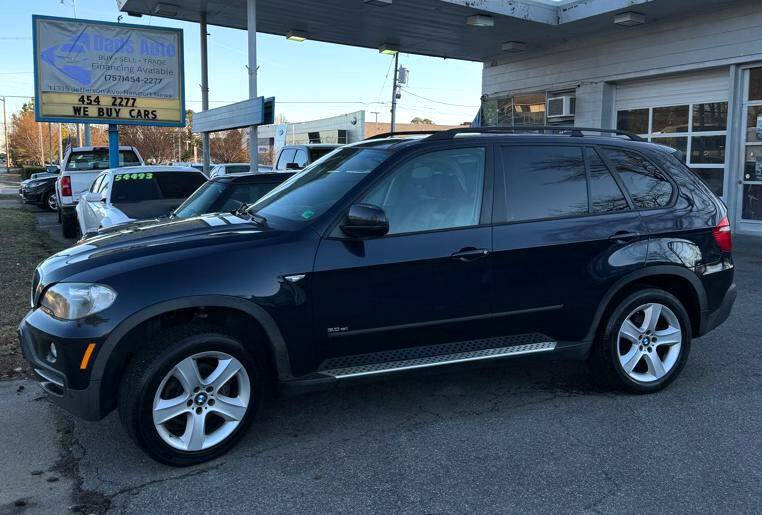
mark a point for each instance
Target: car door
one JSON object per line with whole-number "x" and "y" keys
{"x": 428, "y": 280}
{"x": 87, "y": 215}
{"x": 564, "y": 233}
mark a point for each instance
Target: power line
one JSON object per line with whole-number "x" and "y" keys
{"x": 437, "y": 101}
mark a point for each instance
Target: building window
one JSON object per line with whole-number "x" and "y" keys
{"x": 514, "y": 111}
{"x": 698, "y": 130}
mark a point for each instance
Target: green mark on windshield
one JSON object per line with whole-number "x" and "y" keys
{"x": 308, "y": 214}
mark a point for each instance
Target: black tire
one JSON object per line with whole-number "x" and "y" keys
{"x": 46, "y": 201}
{"x": 146, "y": 371}
{"x": 604, "y": 359}
{"x": 69, "y": 224}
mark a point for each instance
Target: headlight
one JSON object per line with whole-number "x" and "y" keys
{"x": 71, "y": 301}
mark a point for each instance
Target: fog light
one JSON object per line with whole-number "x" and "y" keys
{"x": 52, "y": 353}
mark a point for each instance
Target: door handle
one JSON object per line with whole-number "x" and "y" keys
{"x": 470, "y": 254}
{"x": 624, "y": 235}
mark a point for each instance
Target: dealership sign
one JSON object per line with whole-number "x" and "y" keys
{"x": 101, "y": 72}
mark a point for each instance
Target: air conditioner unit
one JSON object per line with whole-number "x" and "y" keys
{"x": 560, "y": 107}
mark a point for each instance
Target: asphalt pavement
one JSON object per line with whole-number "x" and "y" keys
{"x": 518, "y": 435}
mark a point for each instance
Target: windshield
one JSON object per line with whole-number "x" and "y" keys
{"x": 221, "y": 197}
{"x": 316, "y": 188}
{"x": 98, "y": 160}
{"x": 137, "y": 187}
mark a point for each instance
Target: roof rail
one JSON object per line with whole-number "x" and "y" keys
{"x": 575, "y": 132}
{"x": 397, "y": 133}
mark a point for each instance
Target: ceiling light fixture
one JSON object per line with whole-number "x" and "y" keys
{"x": 514, "y": 46}
{"x": 165, "y": 10}
{"x": 630, "y": 19}
{"x": 378, "y": 3}
{"x": 388, "y": 49}
{"x": 296, "y": 35}
{"x": 480, "y": 20}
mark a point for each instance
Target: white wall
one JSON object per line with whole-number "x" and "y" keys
{"x": 731, "y": 34}
{"x": 355, "y": 131}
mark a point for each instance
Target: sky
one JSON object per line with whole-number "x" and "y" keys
{"x": 309, "y": 80}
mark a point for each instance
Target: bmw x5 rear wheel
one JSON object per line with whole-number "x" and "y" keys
{"x": 644, "y": 343}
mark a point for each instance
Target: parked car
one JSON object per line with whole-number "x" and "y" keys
{"x": 228, "y": 168}
{"x": 296, "y": 157}
{"x": 40, "y": 189}
{"x": 390, "y": 254}
{"x": 81, "y": 165}
{"x": 121, "y": 195}
{"x": 222, "y": 195}
{"x": 228, "y": 193}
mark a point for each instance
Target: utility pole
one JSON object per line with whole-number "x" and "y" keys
{"x": 5, "y": 135}
{"x": 42, "y": 148}
{"x": 87, "y": 134}
{"x": 60, "y": 146}
{"x": 394, "y": 90}
{"x": 205, "y": 156}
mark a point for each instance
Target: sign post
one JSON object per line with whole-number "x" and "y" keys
{"x": 112, "y": 73}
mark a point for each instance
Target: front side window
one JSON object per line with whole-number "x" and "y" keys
{"x": 542, "y": 182}
{"x": 287, "y": 156}
{"x": 300, "y": 158}
{"x": 137, "y": 187}
{"x": 648, "y": 187}
{"x": 315, "y": 189}
{"x": 438, "y": 190}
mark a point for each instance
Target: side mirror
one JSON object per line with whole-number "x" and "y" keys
{"x": 93, "y": 196}
{"x": 364, "y": 221}
{"x": 293, "y": 166}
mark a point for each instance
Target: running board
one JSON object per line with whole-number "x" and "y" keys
{"x": 435, "y": 361}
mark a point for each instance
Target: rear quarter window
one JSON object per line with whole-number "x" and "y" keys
{"x": 648, "y": 187}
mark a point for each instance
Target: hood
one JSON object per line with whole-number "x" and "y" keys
{"x": 152, "y": 241}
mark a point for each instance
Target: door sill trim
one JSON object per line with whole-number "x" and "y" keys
{"x": 434, "y": 361}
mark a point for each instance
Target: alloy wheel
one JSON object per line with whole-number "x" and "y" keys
{"x": 52, "y": 203}
{"x": 649, "y": 342}
{"x": 201, "y": 401}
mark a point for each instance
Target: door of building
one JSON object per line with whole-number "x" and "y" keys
{"x": 750, "y": 194}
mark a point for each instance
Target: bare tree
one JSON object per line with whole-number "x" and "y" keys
{"x": 228, "y": 147}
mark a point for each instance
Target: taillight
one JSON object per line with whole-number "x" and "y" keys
{"x": 66, "y": 186}
{"x": 722, "y": 235}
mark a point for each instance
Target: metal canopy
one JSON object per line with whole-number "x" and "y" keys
{"x": 427, "y": 27}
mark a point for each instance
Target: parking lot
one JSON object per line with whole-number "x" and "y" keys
{"x": 517, "y": 435}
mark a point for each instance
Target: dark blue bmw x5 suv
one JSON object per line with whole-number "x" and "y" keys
{"x": 391, "y": 254}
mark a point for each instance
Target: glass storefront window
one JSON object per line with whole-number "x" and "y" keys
{"x": 752, "y": 202}
{"x": 680, "y": 144}
{"x": 529, "y": 109}
{"x": 710, "y": 117}
{"x": 754, "y": 124}
{"x": 755, "y": 84}
{"x": 670, "y": 119}
{"x": 634, "y": 120}
{"x": 713, "y": 177}
{"x": 752, "y": 170}
{"x": 505, "y": 112}
{"x": 708, "y": 150}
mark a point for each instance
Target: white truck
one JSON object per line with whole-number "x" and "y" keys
{"x": 80, "y": 168}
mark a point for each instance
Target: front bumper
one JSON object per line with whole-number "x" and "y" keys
{"x": 31, "y": 196}
{"x": 65, "y": 384}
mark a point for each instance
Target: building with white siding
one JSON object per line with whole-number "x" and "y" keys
{"x": 690, "y": 79}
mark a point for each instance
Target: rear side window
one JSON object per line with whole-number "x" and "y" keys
{"x": 648, "y": 187}
{"x": 317, "y": 153}
{"x": 605, "y": 195}
{"x": 137, "y": 187}
{"x": 543, "y": 182}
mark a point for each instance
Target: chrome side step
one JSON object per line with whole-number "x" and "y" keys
{"x": 435, "y": 361}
